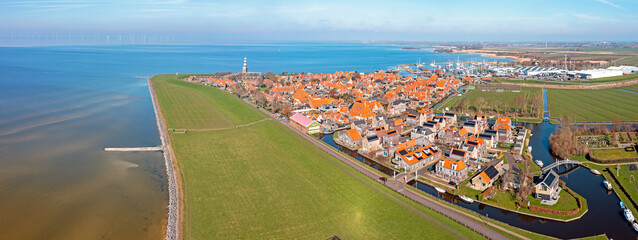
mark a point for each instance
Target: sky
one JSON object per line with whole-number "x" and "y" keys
{"x": 329, "y": 20}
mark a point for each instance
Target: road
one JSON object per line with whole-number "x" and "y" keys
{"x": 399, "y": 187}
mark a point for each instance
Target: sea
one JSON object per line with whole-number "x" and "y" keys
{"x": 60, "y": 106}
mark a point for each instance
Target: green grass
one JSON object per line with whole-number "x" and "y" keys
{"x": 528, "y": 234}
{"x": 592, "y": 105}
{"x": 613, "y": 153}
{"x": 508, "y": 200}
{"x": 539, "y": 82}
{"x": 565, "y": 203}
{"x": 506, "y": 97}
{"x": 193, "y": 106}
{"x": 575, "y": 82}
{"x": 264, "y": 181}
{"x": 631, "y": 88}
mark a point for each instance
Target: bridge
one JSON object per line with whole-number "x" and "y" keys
{"x": 135, "y": 149}
{"x": 561, "y": 162}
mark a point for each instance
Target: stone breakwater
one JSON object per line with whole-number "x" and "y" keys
{"x": 172, "y": 225}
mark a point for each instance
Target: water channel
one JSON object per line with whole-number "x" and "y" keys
{"x": 604, "y": 215}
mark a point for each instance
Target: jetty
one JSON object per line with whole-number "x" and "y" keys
{"x": 135, "y": 149}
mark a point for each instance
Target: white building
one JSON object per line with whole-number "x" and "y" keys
{"x": 625, "y": 69}
{"x": 597, "y": 73}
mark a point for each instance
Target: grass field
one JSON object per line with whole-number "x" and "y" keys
{"x": 506, "y": 97}
{"x": 631, "y": 88}
{"x": 576, "y": 82}
{"x": 593, "y": 105}
{"x": 613, "y": 153}
{"x": 265, "y": 182}
{"x": 194, "y": 106}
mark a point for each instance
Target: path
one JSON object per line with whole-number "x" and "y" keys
{"x": 461, "y": 217}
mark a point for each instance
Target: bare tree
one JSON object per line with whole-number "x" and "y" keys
{"x": 617, "y": 123}
{"x": 508, "y": 176}
{"x": 480, "y": 102}
{"x": 260, "y": 98}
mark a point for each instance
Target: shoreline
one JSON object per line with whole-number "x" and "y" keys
{"x": 493, "y": 54}
{"x": 175, "y": 193}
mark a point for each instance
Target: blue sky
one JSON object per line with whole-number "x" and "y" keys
{"x": 531, "y": 20}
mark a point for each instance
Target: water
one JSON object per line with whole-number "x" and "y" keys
{"x": 604, "y": 215}
{"x": 60, "y": 106}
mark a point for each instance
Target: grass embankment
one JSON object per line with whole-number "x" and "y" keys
{"x": 506, "y": 99}
{"x": 593, "y": 105}
{"x": 264, "y": 181}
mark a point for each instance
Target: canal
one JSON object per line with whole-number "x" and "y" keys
{"x": 604, "y": 215}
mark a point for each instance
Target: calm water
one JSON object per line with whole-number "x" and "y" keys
{"x": 604, "y": 215}
{"x": 60, "y": 106}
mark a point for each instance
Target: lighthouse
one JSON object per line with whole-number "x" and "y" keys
{"x": 245, "y": 68}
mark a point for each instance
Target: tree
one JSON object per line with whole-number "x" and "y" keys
{"x": 480, "y": 102}
{"x": 286, "y": 110}
{"x": 260, "y": 98}
{"x": 271, "y": 76}
{"x": 333, "y": 93}
{"x": 526, "y": 184}
{"x": 508, "y": 176}
{"x": 617, "y": 123}
{"x": 462, "y": 104}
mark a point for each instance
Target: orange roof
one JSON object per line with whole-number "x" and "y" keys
{"x": 315, "y": 103}
{"x": 475, "y": 139}
{"x": 360, "y": 110}
{"x": 485, "y": 177}
{"x": 354, "y": 134}
{"x": 463, "y": 131}
{"x": 447, "y": 163}
{"x": 504, "y": 120}
{"x": 398, "y": 122}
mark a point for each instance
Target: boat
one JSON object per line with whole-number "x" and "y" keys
{"x": 539, "y": 163}
{"x": 466, "y": 199}
{"x": 635, "y": 226}
{"x": 607, "y": 184}
{"x": 628, "y": 215}
{"x": 622, "y": 205}
{"x": 594, "y": 171}
{"x": 440, "y": 190}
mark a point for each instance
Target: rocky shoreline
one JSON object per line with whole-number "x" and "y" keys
{"x": 172, "y": 224}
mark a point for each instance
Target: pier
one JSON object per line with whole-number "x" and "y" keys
{"x": 135, "y": 149}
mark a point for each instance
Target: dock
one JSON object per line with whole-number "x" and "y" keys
{"x": 135, "y": 149}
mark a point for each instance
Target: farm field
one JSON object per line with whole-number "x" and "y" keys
{"x": 592, "y": 105}
{"x": 263, "y": 181}
{"x": 631, "y": 88}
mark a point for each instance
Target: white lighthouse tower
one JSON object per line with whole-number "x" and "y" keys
{"x": 245, "y": 68}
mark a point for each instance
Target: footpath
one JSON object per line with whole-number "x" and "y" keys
{"x": 468, "y": 220}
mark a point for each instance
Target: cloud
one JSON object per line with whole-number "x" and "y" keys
{"x": 609, "y": 3}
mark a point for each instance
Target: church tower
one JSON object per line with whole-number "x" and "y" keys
{"x": 245, "y": 68}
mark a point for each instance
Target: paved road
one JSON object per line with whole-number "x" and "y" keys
{"x": 399, "y": 187}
